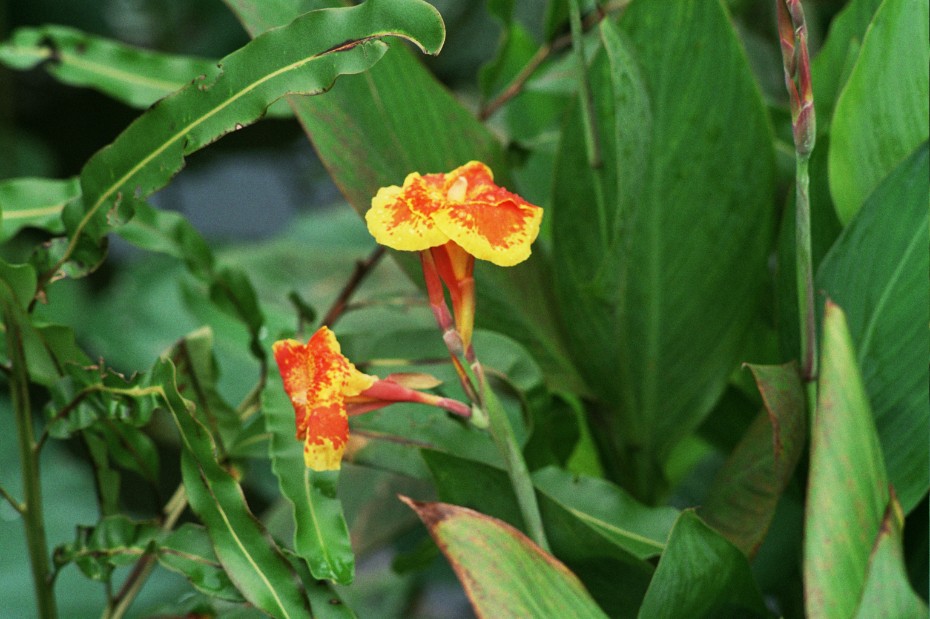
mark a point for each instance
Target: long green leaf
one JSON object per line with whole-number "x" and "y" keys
{"x": 847, "y": 486}
{"x": 34, "y": 202}
{"x": 881, "y": 115}
{"x": 701, "y": 575}
{"x": 658, "y": 251}
{"x": 877, "y": 272}
{"x": 502, "y": 571}
{"x": 251, "y": 559}
{"x": 189, "y": 551}
{"x": 304, "y": 57}
{"x": 742, "y": 499}
{"x": 134, "y": 76}
{"x": 321, "y": 537}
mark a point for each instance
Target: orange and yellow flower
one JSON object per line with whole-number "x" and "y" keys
{"x": 451, "y": 219}
{"x": 464, "y": 207}
{"x": 325, "y": 388}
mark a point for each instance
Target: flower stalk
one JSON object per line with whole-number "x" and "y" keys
{"x": 792, "y": 29}
{"x": 451, "y": 220}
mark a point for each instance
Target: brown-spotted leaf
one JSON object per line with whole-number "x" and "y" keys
{"x": 503, "y": 572}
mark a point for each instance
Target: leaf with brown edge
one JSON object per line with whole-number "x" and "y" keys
{"x": 503, "y": 573}
{"x": 887, "y": 592}
{"x": 742, "y": 500}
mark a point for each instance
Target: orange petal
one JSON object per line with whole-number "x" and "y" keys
{"x": 318, "y": 378}
{"x": 496, "y": 225}
{"x": 401, "y": 217}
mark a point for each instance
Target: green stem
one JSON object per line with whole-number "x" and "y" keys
{"x": 506, "y": 441}
{"x": 805, "y": 277}
{"x": 33, "y": 518}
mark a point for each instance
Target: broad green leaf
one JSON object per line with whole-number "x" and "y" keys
{"x": 887, "y": 593}
{"x": 701, "y": 574}
{"x": 845, "y": 454}
{"x": 304, "y": 57}
{"x": 832, "y": 65}
{"x": 604, "y": 507}
{"x": 137, "y": 77}
{"x": 501, "y": 570}
{"x": 251, "y": 559}
{"x": 321, "y": 537}
{"x": 876, "y": 273}
{"x": 881, "y": 115}
{"x": 745, "y": 493}
{"x": 34, "y": 202}
{"x": 188, "y": 551}
{"x": 658, "y": 253}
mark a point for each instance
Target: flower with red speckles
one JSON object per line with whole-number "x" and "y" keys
{"x": 451, "y": 219}
{"x": 325, "y": 388}
{"x": 463, "y": 206}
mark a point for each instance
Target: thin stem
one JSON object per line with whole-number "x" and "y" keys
{"x": 144, "y": 566}
{"x": 33, "y": 518}
{"x": 362, "y": 269}
{"x": 471, "y": 374}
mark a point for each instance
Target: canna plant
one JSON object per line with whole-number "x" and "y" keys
{"x": 667, "y": 356}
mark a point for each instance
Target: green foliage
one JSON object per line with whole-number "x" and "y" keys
{"x": 151, "y": 443}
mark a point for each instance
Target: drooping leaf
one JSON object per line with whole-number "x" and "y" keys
{"x": 876, "y": 273}
{"x": 742, "y": 499}
{"x": 188, "y": 551}
{"x": 887, "y": 593}
{"x": 502, "y": 571}
{"x": 304, "y": 57}
{"x": 845, "y": 454}
{"x": 249, "y": 556}
{"x": 34, "y": 202}
{"x": 114, "y": 541}
{"x": 321, "y": 537}
{"x": 881, "y": 115}
{"x": 701, "y": 574}
{"x": 135, "y": 76}
{"x": 601, "y": 534}
{"x": 654, "y": 329}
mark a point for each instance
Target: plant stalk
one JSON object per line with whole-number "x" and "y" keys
{"x": 33, "y": 517}
{"x": 506, "y": 440}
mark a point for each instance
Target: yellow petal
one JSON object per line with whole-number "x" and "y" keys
{"x": 401, "y": 217}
